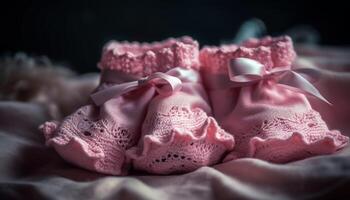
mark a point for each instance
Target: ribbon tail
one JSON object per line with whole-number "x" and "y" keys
{"x": 310, "y": 74}
{"x": 296, "y": 81}
{"x": 102, "y": 96}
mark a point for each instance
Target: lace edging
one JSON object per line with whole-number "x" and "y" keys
{"x": 149, "y": 141}
{"x": 331, "y": 144}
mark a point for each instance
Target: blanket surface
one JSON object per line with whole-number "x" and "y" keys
{"x": 30, "y": 170}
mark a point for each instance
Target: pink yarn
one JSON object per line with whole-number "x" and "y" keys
{"x": 268, "y": 51}
{"x": 177, "y": 133}
{"x": 141, "y": 127}
{"x": 165, "y": 134}
{"x": 267, "y": 120}
{"x": 143, "y": 59}
{"x": 96, "y": 138}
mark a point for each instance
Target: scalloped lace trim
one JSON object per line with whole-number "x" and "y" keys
{"x": 283, "y": 140}
{"x": 101, "y": 134}
{"x": 180, "y": 141}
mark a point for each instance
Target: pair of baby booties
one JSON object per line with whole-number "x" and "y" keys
{"x": 153, "y": 111}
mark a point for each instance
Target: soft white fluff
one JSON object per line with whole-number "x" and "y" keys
{"x": 37, "y": 80}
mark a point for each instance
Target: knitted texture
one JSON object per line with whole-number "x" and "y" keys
{"x": 96, "y": 138}
{"x": 164, "y": 133}
{"x": 269, "y": 51}
{"x": 143, "y": 59}
{"x": 178, "y": 135}
{"x": 268, "y": 120}
{"x": 142, "y": 128}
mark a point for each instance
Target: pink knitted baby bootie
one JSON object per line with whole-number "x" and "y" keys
{"x": 258, "y": 98}
{"x": 96, "y": 136}
{"x": 150, "y": 110}
{"x": 178, "y": 134}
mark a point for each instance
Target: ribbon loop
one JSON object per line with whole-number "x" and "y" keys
{"x": 245, "y": 71}
{"x": 165, "y": 85}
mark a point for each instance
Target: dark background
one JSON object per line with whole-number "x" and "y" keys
{"x": 74, "y": 31}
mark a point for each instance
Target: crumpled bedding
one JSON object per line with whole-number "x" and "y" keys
{"x": 30, "y": 170}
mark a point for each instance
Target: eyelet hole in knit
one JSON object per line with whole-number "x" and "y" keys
{"x": 87, "y": 133}
{"x": 98, "y": 133}
{"x": 184, "y": 159}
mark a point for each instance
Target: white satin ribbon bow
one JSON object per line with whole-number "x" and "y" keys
{"x": 245, "y": 71}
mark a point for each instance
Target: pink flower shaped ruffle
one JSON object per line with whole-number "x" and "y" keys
{"x": 143, "y": 59}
